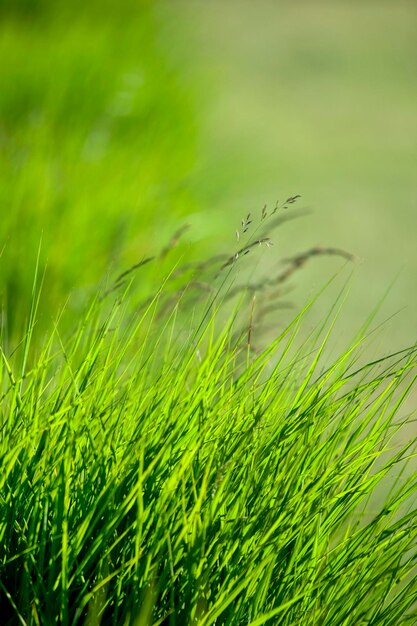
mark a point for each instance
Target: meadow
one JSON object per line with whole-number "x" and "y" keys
{"x": 183, "y": 439}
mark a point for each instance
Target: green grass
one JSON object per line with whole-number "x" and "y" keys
{"x": 158, "y": 471}
{"x": 171, "y": 450}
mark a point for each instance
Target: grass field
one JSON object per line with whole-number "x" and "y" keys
{"x": 185, "y": 438}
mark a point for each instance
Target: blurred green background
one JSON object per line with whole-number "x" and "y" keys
{"x": 121, "y": 121}
{"x": 319, "y": 98}
{"x": 97, "y": 141}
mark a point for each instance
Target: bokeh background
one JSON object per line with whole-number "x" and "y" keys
{"x": 120, "y": 122}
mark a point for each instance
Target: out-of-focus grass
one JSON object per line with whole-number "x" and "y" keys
{"x": 117, "y": 119}
{"x": 97, "y": 141}
{"x": 318, "y": 98}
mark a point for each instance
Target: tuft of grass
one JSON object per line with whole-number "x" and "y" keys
{"x": 155, "y": 470}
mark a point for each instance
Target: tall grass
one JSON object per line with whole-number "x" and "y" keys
{"x": 158, "y": 470}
